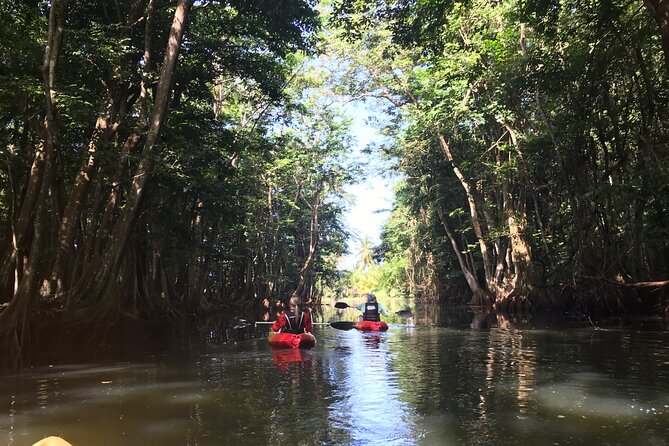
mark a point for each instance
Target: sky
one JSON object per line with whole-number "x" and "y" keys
{"x": 372, "y": 197}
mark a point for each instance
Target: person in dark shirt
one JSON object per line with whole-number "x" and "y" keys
{"x": 371, "y": 309}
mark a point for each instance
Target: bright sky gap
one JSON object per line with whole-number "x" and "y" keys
{"x": 372, "y": 195}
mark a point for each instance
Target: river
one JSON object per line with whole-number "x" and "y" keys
{"x": 458, "y": 383}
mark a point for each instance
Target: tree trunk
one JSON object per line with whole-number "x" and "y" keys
{"x": 107, "y": 221}
{"x": 196, "y": 273}
{"x": 70, "y": 220}
{"x": 305, "y": 271}
{"x": 15, "y": 319}
{"x": 469, "y": 275}
{"x": 520, "y": 248}
{"x": 123, "y": 228}
{"x": 521, "y": 255}
{"x": 659, "y": 9}
{"x": 114, "y": 110}
{"x": 12, "y": 269}
{"x": 476, "y": 222}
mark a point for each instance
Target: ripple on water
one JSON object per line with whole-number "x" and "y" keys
{"x": 579, "y": 397}
{"x": 430, "y": 386}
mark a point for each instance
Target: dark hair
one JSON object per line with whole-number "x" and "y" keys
{"x": 295, "y": 300}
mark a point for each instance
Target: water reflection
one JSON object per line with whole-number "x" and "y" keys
{"x": 372, "y": 339}
{"x": 370, "y": 408}
{"x": 285, "y": 359}
{"x": 465, "y": 384}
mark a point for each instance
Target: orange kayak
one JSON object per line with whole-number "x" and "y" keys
{"x": 290, "y": 340}
{"x": 371, "y": 326}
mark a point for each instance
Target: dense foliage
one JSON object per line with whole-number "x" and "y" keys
{"x": 533, "y": 136}
{"x": 163, "y": 158}
{"x": 169, "y": 157}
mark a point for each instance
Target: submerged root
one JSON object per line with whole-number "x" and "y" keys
{"x": 14, "y": 334}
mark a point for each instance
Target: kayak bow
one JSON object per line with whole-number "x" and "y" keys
{"x": 371, "y": 326}
{"x": 361, "y": 325}
{"x": 291, "y": 340}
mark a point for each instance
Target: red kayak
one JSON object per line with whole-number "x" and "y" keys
{"x": 290, "y": 340}
{"x": 371, "y": 326}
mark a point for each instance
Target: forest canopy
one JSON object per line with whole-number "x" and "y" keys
{"x": 173, "y": 157}
{"x": 532, "y": 136}
{"x": 163, "y": 158}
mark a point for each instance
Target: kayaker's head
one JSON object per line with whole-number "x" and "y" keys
{"x": 294, "y": 304}
{"x": 371, "y": 298}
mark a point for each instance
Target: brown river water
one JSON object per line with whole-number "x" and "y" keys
{"x": 456, "y": 381}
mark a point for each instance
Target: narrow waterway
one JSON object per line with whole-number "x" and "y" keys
{"x": 464, "y": 384}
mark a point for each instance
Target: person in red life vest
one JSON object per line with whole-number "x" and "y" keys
{"x": 293, "y": 319}
{"x": 371, "y": 309}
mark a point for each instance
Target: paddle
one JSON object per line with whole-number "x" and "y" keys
{"x": 343, "y": 325}
{"x": 271, "y": 322}
{"x": 401, "y": 313}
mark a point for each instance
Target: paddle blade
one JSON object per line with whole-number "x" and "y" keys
{"x": 342, "y": 325}
{"x": 341, "y": 305}
{"x": 404, "y": 313}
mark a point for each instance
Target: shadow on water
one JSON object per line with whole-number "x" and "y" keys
{"x": 455, "y": 375}
{"x": 132, "y": 339}
{"x": 484, "y": 318}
